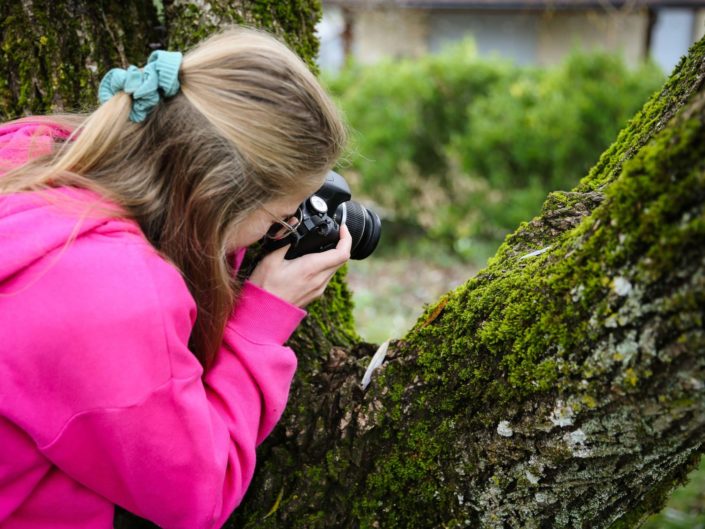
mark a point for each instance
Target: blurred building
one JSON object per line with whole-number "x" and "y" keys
{"x": 526, "y": 31}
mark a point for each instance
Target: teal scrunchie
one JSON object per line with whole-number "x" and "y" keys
{"x": 160, "y": 72}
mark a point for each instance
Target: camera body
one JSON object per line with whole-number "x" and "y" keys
{"x": 320, "y": 217}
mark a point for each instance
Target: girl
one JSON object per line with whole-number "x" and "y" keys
{"x": 136, "y": 368}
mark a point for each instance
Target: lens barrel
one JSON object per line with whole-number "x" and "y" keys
{"x": 364, "y": 226}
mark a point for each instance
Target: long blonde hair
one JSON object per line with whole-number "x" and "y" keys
{"x": 250, "y": 124}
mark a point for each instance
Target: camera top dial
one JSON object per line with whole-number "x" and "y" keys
{"x": 318, "y": 204}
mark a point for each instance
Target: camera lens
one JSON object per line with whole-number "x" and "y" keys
{"x": 364, "y": 226}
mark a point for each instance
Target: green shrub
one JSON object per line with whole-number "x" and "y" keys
{"x": 542, "y": 132}
{"x": 465, "y": 148}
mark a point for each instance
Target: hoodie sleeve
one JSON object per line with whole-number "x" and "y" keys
{"x": 178, "y": 448}
{"x": 26, "y": 138}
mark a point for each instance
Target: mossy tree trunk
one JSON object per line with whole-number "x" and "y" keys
{"x": 54, "y": 52}
{"x": 564, "y": 386}
{"x": 294, "y": 21}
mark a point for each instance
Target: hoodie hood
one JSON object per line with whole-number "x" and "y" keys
{"x": 33, "y": 224}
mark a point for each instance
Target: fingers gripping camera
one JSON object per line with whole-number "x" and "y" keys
{"x": 320, "y": 217}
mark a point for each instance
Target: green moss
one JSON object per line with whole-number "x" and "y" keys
{"x": 333, "y": 314}
{"x": 409, "y": 470}
{"x": 296, "y": 21}
{"x": 500, "y": 338}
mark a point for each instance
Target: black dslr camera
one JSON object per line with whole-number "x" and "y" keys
{"x": 318, "y": 220}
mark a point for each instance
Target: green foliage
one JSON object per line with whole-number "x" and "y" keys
{"x": 466, "y": 148}
{"x": 543, "y": 131}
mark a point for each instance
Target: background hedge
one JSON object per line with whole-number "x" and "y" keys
{"x": 458, "y": 150}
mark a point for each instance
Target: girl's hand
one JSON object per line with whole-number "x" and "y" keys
{"x": 299, "y": 281}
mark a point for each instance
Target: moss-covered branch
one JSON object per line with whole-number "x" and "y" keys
{"x": 564, "y": 386}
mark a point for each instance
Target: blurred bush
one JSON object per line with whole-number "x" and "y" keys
{"x": 459, "y": 149}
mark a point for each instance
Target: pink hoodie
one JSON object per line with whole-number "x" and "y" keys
{"x": 101, "y": 401}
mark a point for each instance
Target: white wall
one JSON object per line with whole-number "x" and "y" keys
{"x": 673, "y": 34}
{"x": 622, "y": 32}
{"x": 511, "y": 35}
{"x": 330, "y": 30}
{"x": 528, "y": 37}
{"x": 386, "y": 32}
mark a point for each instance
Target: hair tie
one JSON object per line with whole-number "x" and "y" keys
{"x": 160, "y": 72}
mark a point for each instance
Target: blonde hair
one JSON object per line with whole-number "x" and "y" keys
{"x": 250, "y": 124}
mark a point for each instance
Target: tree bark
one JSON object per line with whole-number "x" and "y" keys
{"x": 54, "y": 52}
{"x": 189, "y": 21}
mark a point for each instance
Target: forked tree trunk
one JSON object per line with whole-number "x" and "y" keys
{"x": 563, "y": 386}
